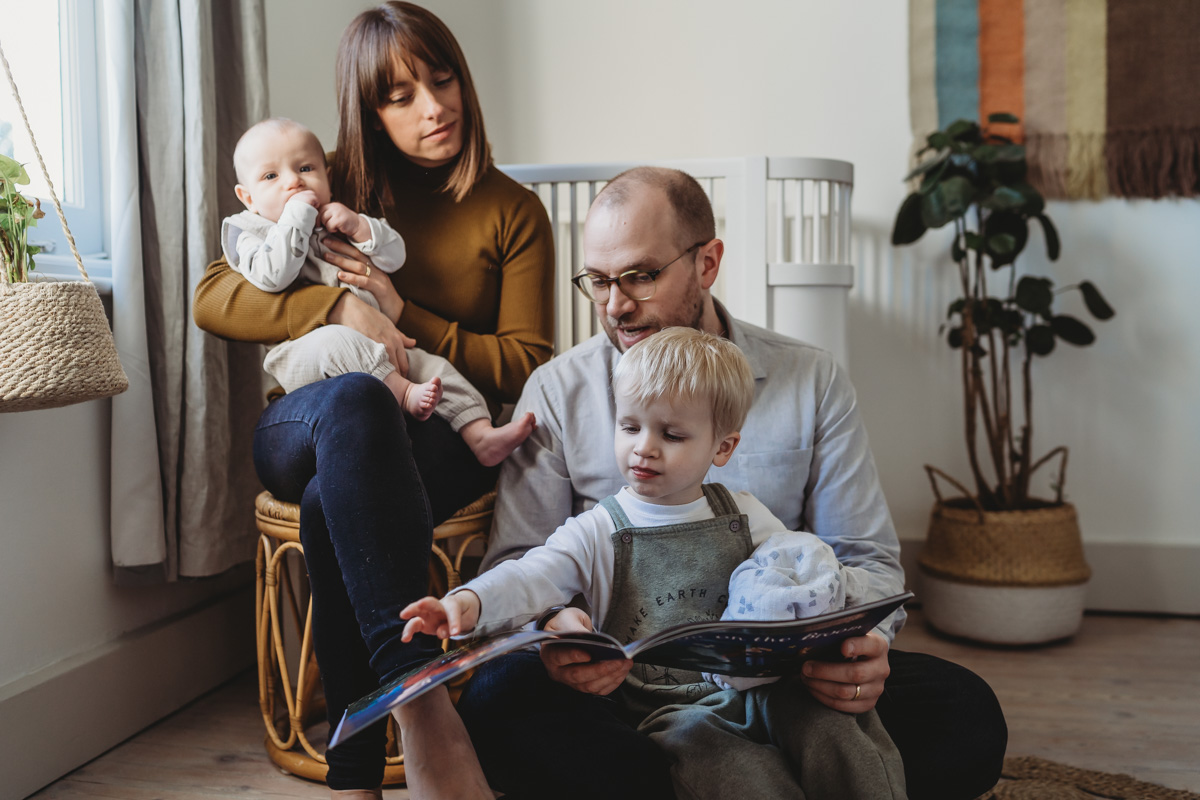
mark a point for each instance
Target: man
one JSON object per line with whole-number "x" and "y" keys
{"x": 544, "y": 725}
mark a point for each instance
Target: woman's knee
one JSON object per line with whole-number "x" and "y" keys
{"x": 358, "y": 394}
{"x": 358, "y": 412}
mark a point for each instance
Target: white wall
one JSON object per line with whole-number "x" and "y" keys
{"x": 85, "y": 663}
{"x": 571, "y": 81}
{"x": 302, "y": 42}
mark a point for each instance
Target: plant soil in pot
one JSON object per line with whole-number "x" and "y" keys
{"x": 1004, "y": 577}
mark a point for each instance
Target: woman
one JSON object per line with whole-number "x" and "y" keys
{"x": 477, "y": 290}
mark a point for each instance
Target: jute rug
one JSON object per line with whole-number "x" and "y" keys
{"x": 1031, "y": 778}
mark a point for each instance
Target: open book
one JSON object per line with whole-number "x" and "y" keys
{"x": 745, "y": 649}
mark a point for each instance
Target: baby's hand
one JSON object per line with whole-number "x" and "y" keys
{"x": 336, "y": 218}
{"x": 307, "y": 196}
{"x": 450, "y": 616}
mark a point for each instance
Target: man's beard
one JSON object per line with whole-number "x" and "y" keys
{"x": 690, "y": 314}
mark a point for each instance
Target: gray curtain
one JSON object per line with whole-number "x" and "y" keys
{"x": 199, "y": 74}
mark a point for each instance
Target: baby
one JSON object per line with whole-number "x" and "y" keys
{"x": 681, "y": 395}
{"x": 280, "y": 239}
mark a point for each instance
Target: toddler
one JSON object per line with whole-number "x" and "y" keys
{"x": 661, "y": 552}
{"x": 280, "y": 239}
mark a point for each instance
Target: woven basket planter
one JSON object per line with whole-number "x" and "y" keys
{"x": 1004, "y": 577}
{"x": 55, "y": 346}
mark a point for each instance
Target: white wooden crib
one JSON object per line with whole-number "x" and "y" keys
{"x": 786, "y": 227}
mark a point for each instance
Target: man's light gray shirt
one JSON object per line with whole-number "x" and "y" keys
{"x": 803, "y": 453}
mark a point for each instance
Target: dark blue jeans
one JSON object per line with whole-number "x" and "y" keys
{"x": 371, "y": 485}
{"x": 538, "y": 739}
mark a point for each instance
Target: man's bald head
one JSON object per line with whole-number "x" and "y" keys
{"x": 693, "y": 211}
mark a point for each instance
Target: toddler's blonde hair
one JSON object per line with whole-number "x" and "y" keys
{"x": 687, "y": 364}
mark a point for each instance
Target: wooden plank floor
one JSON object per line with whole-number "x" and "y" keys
{"x": 1122, "y": 696}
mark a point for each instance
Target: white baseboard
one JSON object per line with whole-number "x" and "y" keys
{"x": 1140, "y": 578}
{"x": 63, "y": 716}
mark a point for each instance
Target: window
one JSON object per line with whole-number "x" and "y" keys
{"x": 51, "y": 49}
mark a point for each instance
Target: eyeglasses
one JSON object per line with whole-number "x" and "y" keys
{"x": 636, "y": 284}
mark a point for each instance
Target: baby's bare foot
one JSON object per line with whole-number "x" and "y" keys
{"x": 493, "y": 445}
{"x": 422, "y": 398}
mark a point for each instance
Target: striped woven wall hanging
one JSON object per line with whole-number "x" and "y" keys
{"x": 1107, "y": 91}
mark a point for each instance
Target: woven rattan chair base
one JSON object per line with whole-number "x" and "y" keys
{"x": 288, "y": 677}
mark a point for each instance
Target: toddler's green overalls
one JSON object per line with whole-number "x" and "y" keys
{"x": 773, "y": 741}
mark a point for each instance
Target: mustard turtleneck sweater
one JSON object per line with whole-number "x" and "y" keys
{"x": 478, "y": 285}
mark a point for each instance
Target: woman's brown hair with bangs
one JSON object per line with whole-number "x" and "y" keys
{"x": 370, "y": 47}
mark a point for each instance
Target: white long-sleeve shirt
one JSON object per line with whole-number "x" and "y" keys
{"x": 273, "y": 255}
{"x": 803, "y": 453}
{"x": 578, "y": 559}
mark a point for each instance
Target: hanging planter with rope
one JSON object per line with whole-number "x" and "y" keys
{"x": 56, "y": 347}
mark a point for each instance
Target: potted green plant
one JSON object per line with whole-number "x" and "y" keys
{"x": 999, "y": 564}
{"x": 17, "y": 215}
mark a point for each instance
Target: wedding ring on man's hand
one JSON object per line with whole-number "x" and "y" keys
{"x": 857, "y": 691}
{"x": 367, "y": 274}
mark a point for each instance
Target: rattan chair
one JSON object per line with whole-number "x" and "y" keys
{"x": 287, "y": 695}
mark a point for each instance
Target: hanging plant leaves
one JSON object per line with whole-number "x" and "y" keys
{"x": 991, "y": 310}
{"x": 1072, "y": 331}
{"x": 1011, "y": 321}
{"x": 933, "y": 177}
{"x": 964, "y": 130}
{"x": 1040, "y": 340}
{"x": 1010, "y": 153}
{"x": 1052, "y": 244}
{"x": 1008, "y": 173}
{"x": 937, "y": 141}
{"x": 1005, "y": 198}
{"x": 955, "y": 337}
{"x": 946, "y": 203}
{"x": 984, "y": 153}
{"x": 957, "y": 251}
{"x": 956, "y": 307}
{"x": 11, "y": 170}
{"x": 921, "y": 169}
{"x": 1034, "y": 202}
{"x": 1095, "y": 302}
{"x": 1010, "y": 224}
{"x": 1034, "y": 295}
{"x": 1001, "y": 245}
{"x": 964, "y": 162}
{"x": 909, "y": 225}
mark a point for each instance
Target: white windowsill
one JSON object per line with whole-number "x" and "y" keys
{"x": 63, "y": 268}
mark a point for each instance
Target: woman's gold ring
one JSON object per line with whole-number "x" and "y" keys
{"x": 857, "y": 691}
{"x": 368, "y": 272}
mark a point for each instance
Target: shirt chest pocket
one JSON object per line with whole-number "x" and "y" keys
{"x": 776, "y": 477}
